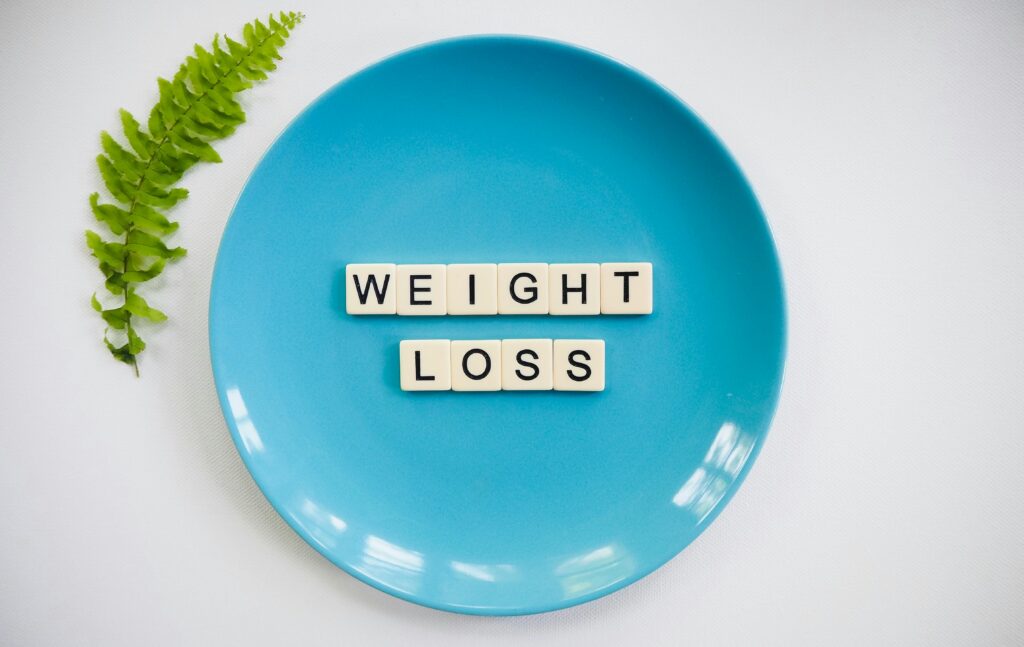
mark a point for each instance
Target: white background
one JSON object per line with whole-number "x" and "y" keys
{"x": 886, "y": 142}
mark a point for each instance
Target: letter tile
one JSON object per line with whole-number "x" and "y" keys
{"x": 526, "y": 365}
{"x": 476, "y": 365}
{"x": 472, "y": 289}
{"x": 626, "y": 289}
{"x": 425, "y": 364}
{"x": 574, "y": 289}
{"x": 370, "y": 289}
{"x": 579, "y": 364}
{"x": 421, "y": 290}
{"x": 523, "y": 288}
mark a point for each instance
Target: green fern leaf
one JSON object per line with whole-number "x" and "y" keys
{"x": 124, "y": 354}
{"x": 115, "y": 282}
{"x": 129, "y": 167}
{"x": 143, "y": 244}
{"x": 110, "y": 253}
{"x": 193, "y": 144}
{"x": 140, "y": 142}
{"x": 116, "y": 318}
{"x": 117, "y": 220}
{"x": 152, "y": 221}
{"x": 195, "y": 107}
{"x": 141, "y": 276}
{"x": 137, "y": 306}
{"x": 154, "y": 196}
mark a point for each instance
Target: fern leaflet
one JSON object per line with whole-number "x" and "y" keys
{"x": 197, "y": 106}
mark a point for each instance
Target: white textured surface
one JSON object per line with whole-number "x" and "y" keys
{"x": 886, "y": 141}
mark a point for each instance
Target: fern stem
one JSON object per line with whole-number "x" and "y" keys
{"x": 166, "y": 138}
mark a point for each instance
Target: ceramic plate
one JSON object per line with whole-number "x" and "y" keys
{"x": 497, "y": 149}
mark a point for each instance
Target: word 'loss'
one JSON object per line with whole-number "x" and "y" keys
{"x": 502, "y": 365}
{"x": 503, "y": 288}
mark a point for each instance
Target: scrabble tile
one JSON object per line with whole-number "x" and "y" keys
{"x": 523, "y": 288}
{"x": 476, "y": 365}
{"x": 370, "y": 289}
{"x": 472, "y": 289}
{"x": 526, "y": 365}
{"x": 579, "y": 364}
{"x": 425, "y": 364}
{"x": 574, "y": 289}
{"x": 421, "y": 290}
{"x": 626, "y": 289}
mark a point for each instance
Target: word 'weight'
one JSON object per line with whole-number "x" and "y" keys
{"x": 504, "y": 288}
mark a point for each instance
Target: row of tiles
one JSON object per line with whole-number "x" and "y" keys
{"x": 503, "y": 288}
{"x": 502, "y": 365}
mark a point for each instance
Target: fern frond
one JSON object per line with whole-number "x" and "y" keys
{"x": 195, "y": 107}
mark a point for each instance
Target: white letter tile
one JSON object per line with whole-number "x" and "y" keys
{"x": 526, "y": 365}
{"x": 574, "y": 289}
{"x": 370, "y": 289}
{"x": 473, "y": 289}
{"x": 476, "y": 365}
{"x": 579, "y": 364}
{"x": 523, "y": 288}
{"x": 421, "y": 290}
{"x": 626, "y": 289}
{"x": 425, "y": 364}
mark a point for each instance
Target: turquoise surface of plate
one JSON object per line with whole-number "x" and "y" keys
{"x": 497, "y": 149}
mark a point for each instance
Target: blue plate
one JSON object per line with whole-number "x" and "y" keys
{"x": 491, "y": 149}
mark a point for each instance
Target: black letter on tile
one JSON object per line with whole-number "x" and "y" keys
{"x": 532, "y": 291}
{"x": 371, "y": 282}
{"x": 585, "y": 367}
{"x": 419, "y": 376}
{"x": 413, "y": 290}
{"x": 487, "y": 364}
{"x": 522, "y": 362}
{"x": 625, "y": 283}
{"x": 472, "y": 289}
{"x": 566, "y": 289}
